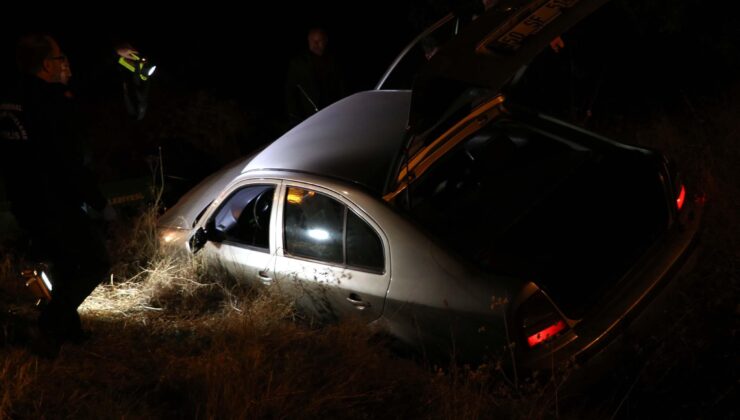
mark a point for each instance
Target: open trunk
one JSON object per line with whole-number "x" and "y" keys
{"x": 570, "y": 216}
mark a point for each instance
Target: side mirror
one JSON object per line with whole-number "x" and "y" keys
{"x": 198, "y": 240}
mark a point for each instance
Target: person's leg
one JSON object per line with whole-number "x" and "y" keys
{"x": 79, "y": 260}
{"x": 87, "y": 248}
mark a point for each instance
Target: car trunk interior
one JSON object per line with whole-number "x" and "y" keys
{"x": 523, "y": 202}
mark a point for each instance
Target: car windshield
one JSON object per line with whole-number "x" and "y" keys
{"x": 475, "y": 195}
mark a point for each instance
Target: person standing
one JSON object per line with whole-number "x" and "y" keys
{"x": 50, "y": 190}
{"x": 314, "y": 79}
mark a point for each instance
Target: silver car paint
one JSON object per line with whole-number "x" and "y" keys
{"x": 355, "y": 139}
{"x": 430, "y": 297}
{"x": 245, "y": 263}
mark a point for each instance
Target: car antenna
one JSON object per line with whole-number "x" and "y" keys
{"x": 315, "y": 108}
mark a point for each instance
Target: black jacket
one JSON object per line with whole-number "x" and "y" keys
{"x": 312, "y": 83}
{"x": 41, "y": 153}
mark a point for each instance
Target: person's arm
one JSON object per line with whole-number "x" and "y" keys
{"x": 135, "y": 85}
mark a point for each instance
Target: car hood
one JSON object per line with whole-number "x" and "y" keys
{"x": 488, "y": 51}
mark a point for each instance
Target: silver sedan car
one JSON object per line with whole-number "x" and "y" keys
{"x": 448, "y": 218}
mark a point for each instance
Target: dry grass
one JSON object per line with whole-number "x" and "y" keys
{"x": 242, "y": 359}
{"x": 180, "y": 339}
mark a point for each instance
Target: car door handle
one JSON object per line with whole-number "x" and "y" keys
{"x": 264, "y": 276}
{"x": 356, "y": 300}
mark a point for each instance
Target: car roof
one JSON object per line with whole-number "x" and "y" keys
{"x": 356, "y": 139}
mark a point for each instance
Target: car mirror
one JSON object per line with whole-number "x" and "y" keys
{"x": 198, "y": 240}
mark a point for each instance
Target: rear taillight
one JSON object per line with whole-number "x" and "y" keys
{"x": 539, "y": 320}
{"x": 681, "y": 197}
{"x": 546, "y": 334}
{"x": 676, "y": 184}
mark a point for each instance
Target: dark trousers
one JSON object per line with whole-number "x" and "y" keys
{"x": 74, "y": 247}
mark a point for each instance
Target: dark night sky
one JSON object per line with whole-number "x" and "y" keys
{"x": 652, "y": 48}
{"x": 241, "y": 52}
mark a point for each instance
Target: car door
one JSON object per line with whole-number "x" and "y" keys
{"x": 241, "y": 231}
{"x": 332, "y": 258}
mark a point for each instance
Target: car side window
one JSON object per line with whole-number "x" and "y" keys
{"x": 364, "y": 247}
{"x": 314, "y": 225}
{"x": 319, "y": 227}
{"x": 244, "y": 217}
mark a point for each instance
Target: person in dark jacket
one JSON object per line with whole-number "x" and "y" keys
{"x": 314, "y": 79}
{"x": 50, "y": 190}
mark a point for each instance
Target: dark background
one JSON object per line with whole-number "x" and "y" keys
{"x": 241, "y": 51}
{"x": 221, "y": 67}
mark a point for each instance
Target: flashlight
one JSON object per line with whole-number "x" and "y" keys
{"x": 138, "y": 65}
{"x": 38, "y": 283}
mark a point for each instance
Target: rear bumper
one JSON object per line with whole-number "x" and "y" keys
{"x": 671, "y": 257}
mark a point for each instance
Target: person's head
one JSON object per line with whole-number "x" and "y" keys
{"x": 317, "y": 41}
{"x": 40, "y": 55}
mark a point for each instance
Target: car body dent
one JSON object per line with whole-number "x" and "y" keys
{"x": 332, "y": 291}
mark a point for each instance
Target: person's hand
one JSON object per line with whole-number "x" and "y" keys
{"x": 125, "y": 50}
